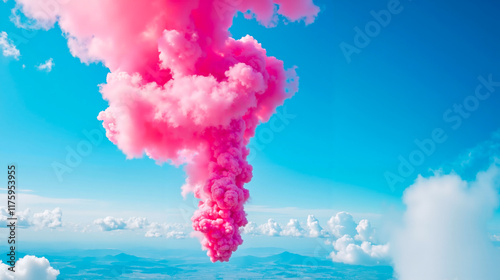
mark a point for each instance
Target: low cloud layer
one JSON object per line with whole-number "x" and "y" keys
{"x": 111, "y": 223}
{"x": 176, "y": 231}
{"x": 352, "y": 243}
{"x": 46, "y": 219}
{"x": 29, "y": 268}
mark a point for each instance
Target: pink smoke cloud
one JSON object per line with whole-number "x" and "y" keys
{"x": 182, "y": 90}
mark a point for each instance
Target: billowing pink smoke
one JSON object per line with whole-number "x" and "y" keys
{"x": 182, "y": 90}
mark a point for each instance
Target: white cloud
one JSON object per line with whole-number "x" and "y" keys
{"x": 365, "y": 231}
{"x": 443, "y": 235}
{"x": 271, "y": 228}
{"x": 7, "y": 46}
{"x": 356, "y": 246}
{"x": 341, "y": 224}
{"x": 176, "y": 231}
{"x": 111, "y": 223}
{"x": 355, "y": 243}
{"x": 347, "y": 251}
{"x": 315, "y": 230}
{"x": 29, "y": 268}
{"x": 46, "y": 219}
{"x": 251, "y": 228}
{"x": 293, "y": 228}
{"x": 137, "y": 223}
{"x": 46, "y": 66}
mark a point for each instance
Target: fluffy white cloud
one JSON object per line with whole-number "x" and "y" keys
{"x": 176, "y": 231}
{"x": 251, "y": 228}
{"x": 111, "y": 223}
{"x": 315, "y": 230}
{"x": 341, "y": 224}
{"x": 357, "y": 247}
{"x": 137, "y": 223}
{"x": 443, "y": 235}
{"x": 365, "y": 231}
{"x": 153, "y": 229}
{"x": 29, "y": 268}
{"x": 355, "y": 243}
{"x": 293, "y": 228}
{"x": 41, "y": 220}
{"x": 46, "y": 66}
{"x": 271, "y": 228}
{"x": 7, "y": 46}
{"x": 347, "y": 251}
{"x": 48, "y": 219}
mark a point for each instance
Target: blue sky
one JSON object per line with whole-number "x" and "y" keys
{"x": 351, "y": 120}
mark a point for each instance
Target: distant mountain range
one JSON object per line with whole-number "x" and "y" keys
{"x": 180, "y": 264}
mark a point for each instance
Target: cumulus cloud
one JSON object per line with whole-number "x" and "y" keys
{"x": 111, "y": 223}
{"x": 46, "y": 66}
{"x": 443, "y": 235}
{"x": 341, "y": 224}
{"x": 7, "y": 46}
{"x": 176, "y": 231}
{"x": 293, "y": 228}
{"x": 46, "y": 219}
{"x": 365, "y": 231}
{"x": 347, "y": 251}
{"x": 152, "y": 229}
{"x": 356, "y": 243}
{"x": 352, "y": 243}
{"x": 315, "y": 230}
{"x": 29, "y": 268}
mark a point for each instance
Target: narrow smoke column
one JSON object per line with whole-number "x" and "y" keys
{"x": 181, "y": 90}
{"x": 221, "y": 214}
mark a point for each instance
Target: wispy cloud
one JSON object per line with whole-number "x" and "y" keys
{"x": 484, "y": 152}
{"x": 7, "y": 46}
{"x": 46, "y": 66}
